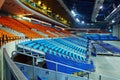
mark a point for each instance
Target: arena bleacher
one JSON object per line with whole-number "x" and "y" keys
{"x": 111, "y": 48}
{"x": 66, "y": 51}
{"x": 102, "y": 37}
{"x": 61, "y": 48}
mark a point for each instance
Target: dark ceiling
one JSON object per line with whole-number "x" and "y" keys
{"x": 56, "y": 8}
{"x": 11, "y": 7}
{"x": 108, "y": 7}
{"x": 83, "y": 7}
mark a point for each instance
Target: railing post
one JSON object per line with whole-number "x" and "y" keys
{"x": 15, "y": 45}
{"x": 5, "y": 69}
{"x": 23, "y": 49}
{"x": 33, "y": 68}
{"x": 88, "y": 76}
{"x": 56, "y": 70}
{"x": 100, "y": 77}
{"x": 56, "y": 67}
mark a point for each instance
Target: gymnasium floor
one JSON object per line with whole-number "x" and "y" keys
{"x": 107, "y": 65}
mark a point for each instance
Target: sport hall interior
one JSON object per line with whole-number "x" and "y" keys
{"x": 59, "y": 39}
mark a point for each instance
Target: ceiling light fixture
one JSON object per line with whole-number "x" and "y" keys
{"x": 113, "y": 21}
{"x": 83, "y": 22}
{"x": 101, "y": 7}
{"x": 73, "y": 13}
{"x": 77, "y": 20}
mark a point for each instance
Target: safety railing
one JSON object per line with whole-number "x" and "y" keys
{"x": 11, "y": 71}
{"x": 34, "y": 72}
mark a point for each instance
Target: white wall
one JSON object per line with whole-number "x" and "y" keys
{"x": 116, "y": 31}
{"x": 9, "y": 47}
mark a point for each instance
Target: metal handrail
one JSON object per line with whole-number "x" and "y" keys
{"x": 14, "y": 69}
{"x": 57, "y": 63}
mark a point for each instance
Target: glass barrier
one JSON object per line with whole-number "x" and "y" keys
{"x": 81, "y": 74}
{"x": 36, "y": 73}
{"x": 11, "y": 71}
{"x": 20, "y": 71}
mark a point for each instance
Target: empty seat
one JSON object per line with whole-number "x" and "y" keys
{"x": 41, "y": 48}
{"x": 36, "y": 46}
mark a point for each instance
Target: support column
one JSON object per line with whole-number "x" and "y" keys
{"x": 116, "y": 31}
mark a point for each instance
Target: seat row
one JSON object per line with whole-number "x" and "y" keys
{"x": 26, "y": 28}
{"x": 38, "y": 27}
{"x": 77, "y": 41}
{"x": 100, "y": 49}
{"x": 101, "y": 37}
{"x": 15, "y": 25}
{"x": 6, "y": 37}
{"x": 45, "y": 29}
{"x": 111, "y": 48}
{"x": 52, "y": 48}
{"x": 71, "y": 47}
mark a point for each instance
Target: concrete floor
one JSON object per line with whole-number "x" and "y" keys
{"x": 107, "y": 66}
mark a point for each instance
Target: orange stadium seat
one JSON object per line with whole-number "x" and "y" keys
{"x": 8, "y": 22}
{"x": 39, "y": 27}
{"x": 25, "y": 28}
{"x": 6, "y": 37}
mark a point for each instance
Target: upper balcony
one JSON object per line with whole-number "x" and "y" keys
{"x": 49, "y": 11}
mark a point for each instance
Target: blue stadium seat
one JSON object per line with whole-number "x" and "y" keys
{"x": 56, "y": 49}
{"x": 25, "y": 43}
{"x": 50, "y": 51}
{"x": 36, "y": 46}
{"x": 40, "y": 78}
{"x": 31, "y": 44}
{"x": 45, "y": 50}
{"x": 26, "y": 76}
{"x": 54, "y": 52}
{"x": 68, "y": 62}
{"x": 59, "y": 54}
{"x": 41, "y": 48}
